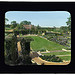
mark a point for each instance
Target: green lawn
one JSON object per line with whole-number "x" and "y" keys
{"x": 57, "y": 53}
{"x": 6, "y": 28}
{"x": 66, "y": 58}
{"x": 41, "y": 43}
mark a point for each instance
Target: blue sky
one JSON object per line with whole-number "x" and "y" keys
{"x": 43, "y": 18}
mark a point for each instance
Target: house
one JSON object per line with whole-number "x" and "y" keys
{"x": 29, "y": 26}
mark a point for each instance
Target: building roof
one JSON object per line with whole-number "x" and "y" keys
{"x": 28, "y": 26}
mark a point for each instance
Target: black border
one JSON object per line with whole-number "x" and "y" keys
{"x": 36, "y": 6}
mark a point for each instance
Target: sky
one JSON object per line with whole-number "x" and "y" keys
{"x": 43, "y": 18}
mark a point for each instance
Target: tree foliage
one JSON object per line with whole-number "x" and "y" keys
{"x": 69, "y": 22}
{"x": 33, "y": 28}
{"x": 13, "y": 24}
{"x": 19, "y": 27}
{"x": 6, "y": 20}
{"x": 51, "y": 58}
{"x": 64, "y": 29}
{"x": 38, "y": 27}
{"x": 25, "y": 23}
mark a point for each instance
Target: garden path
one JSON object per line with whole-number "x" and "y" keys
{"x": 40, "y": 61}
{"x": 53, "y": 51}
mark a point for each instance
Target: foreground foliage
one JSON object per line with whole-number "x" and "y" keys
{"x": 51, "y": 58}
{"x": 12, "y": 54}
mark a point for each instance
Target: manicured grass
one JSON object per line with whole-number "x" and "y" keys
{"x": 41, "y": 43}
{"x": 57, "y": 53}
{"x": 66, "y": 58}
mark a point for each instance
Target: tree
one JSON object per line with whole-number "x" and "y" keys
{"x": 69, "y": 23}
{"x": 33, "y": 29}
{"x": 19, "y": 27}
{"x": 13, "y": 24}
{"x": 64, "y": 29}
{"x": 29, "y": 22}
{"x": 25, "y": 23}
{"x": 6, "y": 20}
{"x": 38, "y": 27}
{"x": 54, "y": 28}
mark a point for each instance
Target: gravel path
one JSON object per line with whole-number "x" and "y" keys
{"x": 40, "y": 61}
{"x": 53, "y": 51}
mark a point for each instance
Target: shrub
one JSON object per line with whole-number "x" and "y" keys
{"x": 10, "y": 35}
{"x": 43, "y": 49}
{"x": 51, "y": 58}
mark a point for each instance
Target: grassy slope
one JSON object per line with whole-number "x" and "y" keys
{"x": 40, "y": 43}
